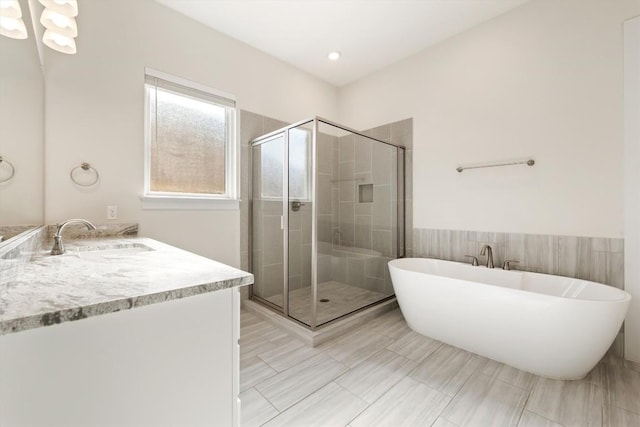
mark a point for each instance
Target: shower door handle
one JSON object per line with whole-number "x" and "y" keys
{"x": 295, "y": 205}
{"x": 281, "y": 222}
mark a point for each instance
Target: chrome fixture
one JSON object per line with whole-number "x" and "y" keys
{"x": 486, "y": 249}
{"x": 529, "y": 162}
{"x": 296, "y": 205}
{"x": 507, "y": 264}
{"x": 87, "y": 168}
{"x": 12, "y": 169}
{"x": 474, "y": 261}
{"x": 58, "y": 246}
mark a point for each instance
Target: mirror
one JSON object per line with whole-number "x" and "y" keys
{"x": 21, "y": 133}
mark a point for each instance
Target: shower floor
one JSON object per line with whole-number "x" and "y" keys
{"x": 343, "y": 299}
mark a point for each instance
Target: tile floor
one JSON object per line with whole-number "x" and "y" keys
{"x": 343, "y": 299}
{"x": 384, "y": 374}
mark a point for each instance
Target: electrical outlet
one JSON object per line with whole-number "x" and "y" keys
{"x": 112, "y": 212}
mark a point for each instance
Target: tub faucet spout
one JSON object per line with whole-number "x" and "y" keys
{"x": 486, "y": 250}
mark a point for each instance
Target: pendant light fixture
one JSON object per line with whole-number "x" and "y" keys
{"x": 58, "y": 18}
{"x": 11, "y": 23}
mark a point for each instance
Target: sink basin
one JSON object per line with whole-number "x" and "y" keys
{"x": 110, "y": 251}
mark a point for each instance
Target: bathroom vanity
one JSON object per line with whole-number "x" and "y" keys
{"x": 117, "y": 332}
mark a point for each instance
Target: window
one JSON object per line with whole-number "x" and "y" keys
{"x": 190, "y": 140}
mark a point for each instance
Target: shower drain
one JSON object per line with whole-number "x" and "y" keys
{"x": 324, "y": 300}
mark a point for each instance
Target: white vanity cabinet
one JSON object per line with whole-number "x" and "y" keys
{"x": 173, "y": 363}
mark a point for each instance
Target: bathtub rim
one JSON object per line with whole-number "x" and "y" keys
{"x": 625, "y": 296}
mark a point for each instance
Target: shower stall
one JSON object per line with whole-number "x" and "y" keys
{"x": 327, "y": 214}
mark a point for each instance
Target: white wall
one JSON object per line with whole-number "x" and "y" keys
{"x": 94, "y": 112}
{"x": 632, "y": 182}
{"x": 543, "y": 80}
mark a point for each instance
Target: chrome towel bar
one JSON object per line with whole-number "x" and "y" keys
{"x": 529, "y": 162}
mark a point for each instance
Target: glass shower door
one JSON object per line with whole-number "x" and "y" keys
{"x": 268, "y": 221}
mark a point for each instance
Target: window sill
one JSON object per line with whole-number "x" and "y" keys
{"x": 188, "y": 203}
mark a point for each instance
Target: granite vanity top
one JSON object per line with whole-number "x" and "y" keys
{"x": 96, "y": 277}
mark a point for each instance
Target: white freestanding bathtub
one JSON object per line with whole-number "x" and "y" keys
{"x": 553, "y": 326}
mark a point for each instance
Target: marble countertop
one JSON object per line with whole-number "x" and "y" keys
{"x": 96, "y": 277}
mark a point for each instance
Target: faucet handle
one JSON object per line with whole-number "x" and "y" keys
{"x": 474, "y": 262}
{"x": 507, "y": 264}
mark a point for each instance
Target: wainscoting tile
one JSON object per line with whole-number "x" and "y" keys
{"x": 530, "y": 419}
{"x": 613, "y": 416}
{"x": 374, "y": 376}
{"x": 332, "y": 405}
{"x": 447, "y": 369}
{"x": 256, "y": 410}
{"x": 541, "y": 253}
{"x": 415, "y": 346}
{"x": 515, "y": 248}
{"x": 289, "y": 387}
{"x": 485, "y": 401}
{"x": 615, "y": 269}
{"x": 409, "y": 403}
{"x": 570, "y": 403}
{"x": 509, "y": 375}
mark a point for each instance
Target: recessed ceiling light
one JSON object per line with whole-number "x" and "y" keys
{"x": 334, "y": 56}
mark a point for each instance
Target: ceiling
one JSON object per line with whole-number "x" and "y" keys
{"x": 370, "y": 34}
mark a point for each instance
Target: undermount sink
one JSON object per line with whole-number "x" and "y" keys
{"x": 113, "y": 250}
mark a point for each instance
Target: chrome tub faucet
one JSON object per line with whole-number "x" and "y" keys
{"x": 486, "y": 250}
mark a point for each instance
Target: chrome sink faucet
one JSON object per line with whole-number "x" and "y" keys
{"x": 486, "y": 249}
{"x": 58, "y": 246}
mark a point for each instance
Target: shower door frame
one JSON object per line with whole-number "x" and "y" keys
{"x": 401, "y": 230}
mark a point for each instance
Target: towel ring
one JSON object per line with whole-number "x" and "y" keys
{"x": 13, "y": 169}
{"x": 85, "y": 167}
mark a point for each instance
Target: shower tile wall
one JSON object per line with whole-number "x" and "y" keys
{"x": 589, "y": 258}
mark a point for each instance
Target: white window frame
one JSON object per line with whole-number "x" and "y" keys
{"x": 175, "y": 200}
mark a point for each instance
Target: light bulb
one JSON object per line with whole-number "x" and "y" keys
{"x": 64, "y": 7}
{"x": 334, "y": 56}
{"x": 60, "y": 23}
{"x": 10, "y": 9}
{"x": 59, "y": 42}
{"x": 13, "y": 27}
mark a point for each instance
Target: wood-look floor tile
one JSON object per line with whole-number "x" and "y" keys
{"x": 260, "y": 332}
{"x": 617, "y": 417}
{"x": 509, "y": 374}
{"x": 487, "y": 401}
{"x": 441, "y": 422}
{"x": 254, "y": 370}
{"x": 530, "y": 419}
{"x": 623, "y": 387}
{"x": 391, "y": 324}
{"x": 373, "y": 377}
{"x": 289, "y": 387}
{"x": 286, "y": 353}
{"x": 355, "y": 347}
{"x": 414, "y": 346}
{"x": 330, "y": 406}
{"x": 255, "y": 409}
{"x": 447, "y": 369}
{"x": 408, "y": 403}
{"x": 570, "y": 403}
